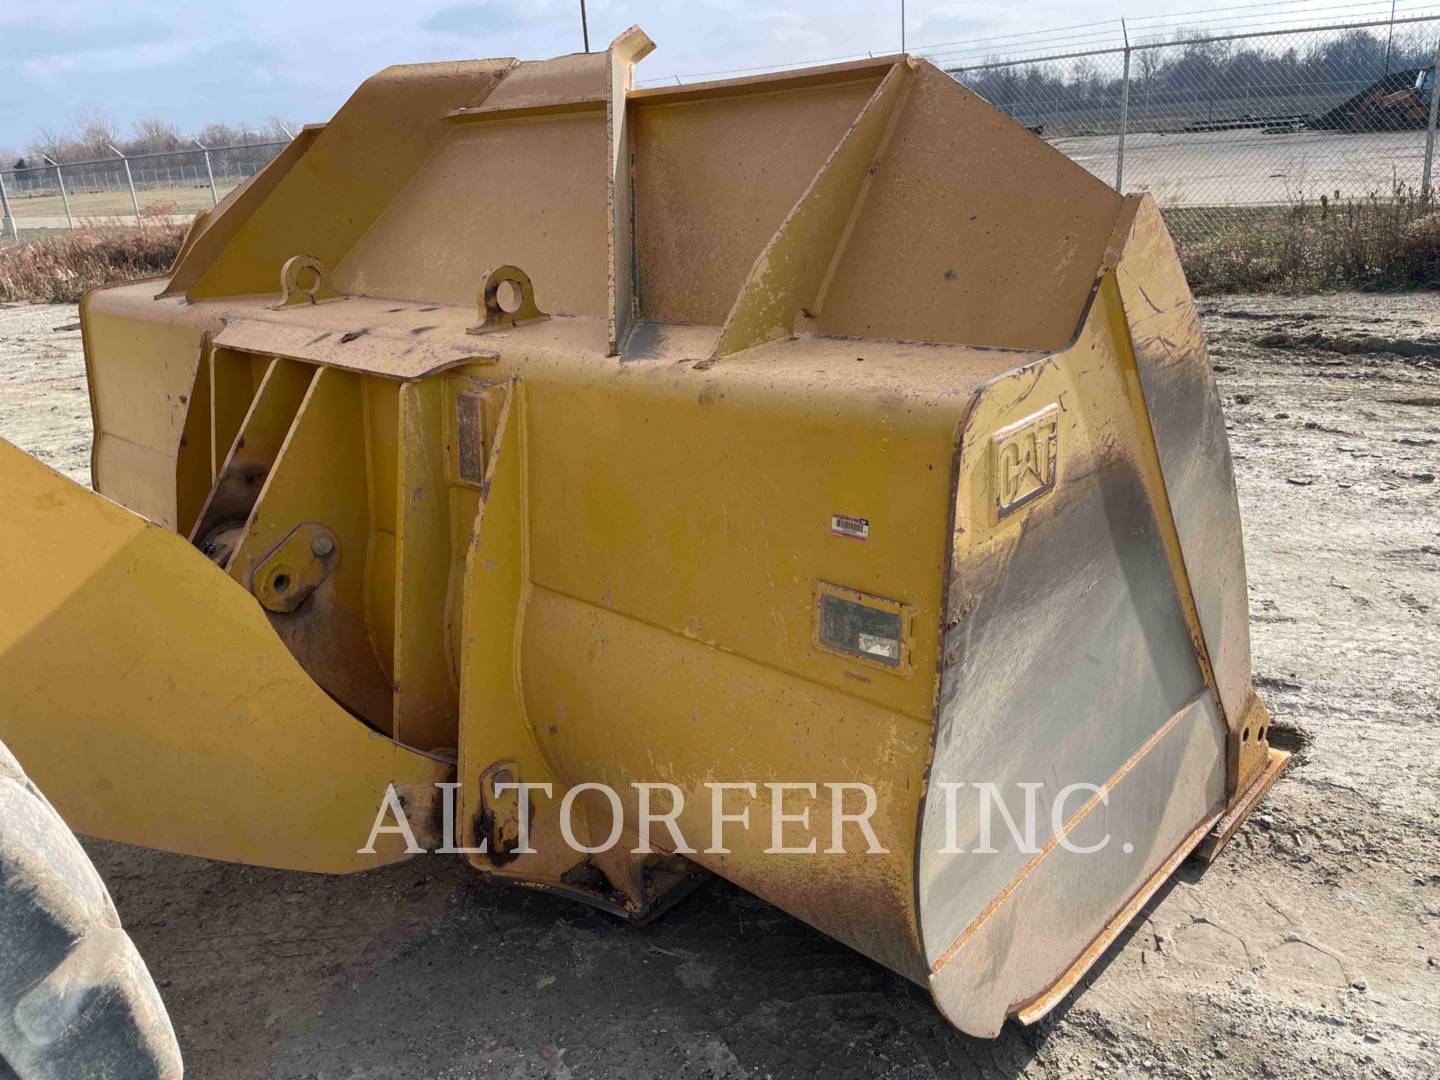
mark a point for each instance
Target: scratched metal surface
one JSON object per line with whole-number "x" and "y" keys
{"x": 1067, "y": 649}
{"x": 1189, "y": 429}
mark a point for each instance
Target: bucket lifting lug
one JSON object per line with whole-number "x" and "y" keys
{"x": 295, "y": 569}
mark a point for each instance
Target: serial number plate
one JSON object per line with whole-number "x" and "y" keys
{"x": 851, "y": 627}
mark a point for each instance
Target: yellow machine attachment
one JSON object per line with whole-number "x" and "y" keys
{"x": 518, "y": 426}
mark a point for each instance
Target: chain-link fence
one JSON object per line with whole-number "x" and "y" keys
{"x": 1219, "y": 129}
{"x": 121, "y": 189}
{"x": 1216, "y": 127}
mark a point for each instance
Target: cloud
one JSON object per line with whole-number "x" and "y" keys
{"x": 470, "y": 18}
{"x": 39, "y": 42}
{"x": 237, "y": 60}
{"x": 480, "y": 18}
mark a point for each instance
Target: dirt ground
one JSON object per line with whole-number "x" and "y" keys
{"x": 1311, "y": 948}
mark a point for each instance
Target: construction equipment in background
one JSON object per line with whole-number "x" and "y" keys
{"x": 517, "y": 425}
{"x": 1400, "y": 101}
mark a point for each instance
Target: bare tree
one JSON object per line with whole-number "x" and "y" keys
{"x": 95, "y": 133}
{"x": 278, "y": 129}
{"x": 154, "y": 136}
{"x": 1190, "y": 78}
{"x": 48, "y": 143}
{"x": 1147, "y": 62}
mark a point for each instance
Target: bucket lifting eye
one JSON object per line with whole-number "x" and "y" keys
{"x": 518, "y": 307}
{"x": 305, "y": 280}
{"x": 296, "y": 568}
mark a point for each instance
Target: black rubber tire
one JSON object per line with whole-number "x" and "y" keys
{"x": 76, "y": 1000}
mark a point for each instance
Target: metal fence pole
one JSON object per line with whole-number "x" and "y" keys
{"x": 129, "y": 180}
{"x": 7, "y": 218}
{"x": 64, "y": 195}
{"x": 1430, "y": 127}
{"x": 1124, "y": 123}
{"x": 214, "y": 197}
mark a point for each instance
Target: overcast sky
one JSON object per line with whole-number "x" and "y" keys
{"x": 191, "y": 63}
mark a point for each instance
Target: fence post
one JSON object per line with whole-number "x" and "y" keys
{"x": 1430, "y": 127}
{"x": 214, "y": 198}
{"x": 7, "y": 219}
{"x": 1124, "y": 123}
{"x": 64, "y": 195}
{"x": 129, "y": 180}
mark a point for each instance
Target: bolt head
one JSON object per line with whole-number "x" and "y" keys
{"x": 322, "y": 546}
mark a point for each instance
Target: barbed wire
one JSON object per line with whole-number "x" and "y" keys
{"x": 955, "y": 65}
{"x": 1215, "y": 127}
{"x": 1183, "y": 34}
{"x": 1037, "y": 43}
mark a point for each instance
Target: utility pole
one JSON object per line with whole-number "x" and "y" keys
{"x": 1390, "y": 37}
{"x": 902, "y": 25}
{"x": 584, "y": 25}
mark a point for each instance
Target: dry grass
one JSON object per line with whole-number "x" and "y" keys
{"x": 1379, "y": 242}
{"x": 59, "y": 268}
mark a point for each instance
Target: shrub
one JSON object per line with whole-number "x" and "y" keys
{"x": 1376, "y": 242}
{"x": 61, "y": 267}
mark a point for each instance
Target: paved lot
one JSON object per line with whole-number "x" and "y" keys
{"x": 1248, "y": 168}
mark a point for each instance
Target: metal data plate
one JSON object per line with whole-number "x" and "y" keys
{"x": 870, "y": 628}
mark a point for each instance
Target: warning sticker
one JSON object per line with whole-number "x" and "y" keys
{"x": 853, "y": 527}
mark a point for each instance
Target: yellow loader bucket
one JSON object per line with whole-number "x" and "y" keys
{"x": 813, "y": 479}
